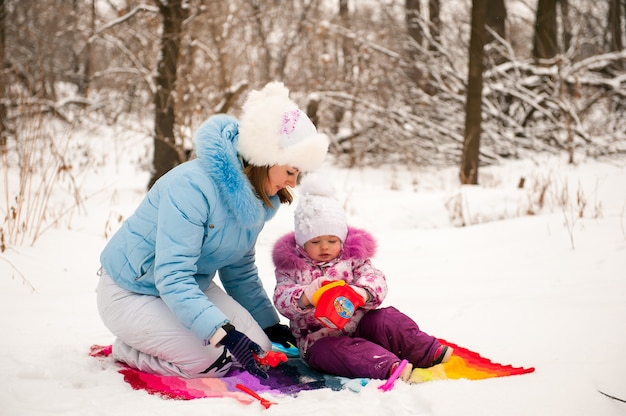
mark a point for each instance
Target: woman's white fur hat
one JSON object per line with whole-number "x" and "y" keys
{"x": 274, "y": 131}
{"x": 318, "y": 211}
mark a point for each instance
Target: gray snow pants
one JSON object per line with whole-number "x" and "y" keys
{"x": 151, "y": 339}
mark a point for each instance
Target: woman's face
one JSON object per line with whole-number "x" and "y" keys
{"x": 279, "y": 177}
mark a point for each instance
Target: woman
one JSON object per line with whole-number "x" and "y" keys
{"x": 156, "y": 292}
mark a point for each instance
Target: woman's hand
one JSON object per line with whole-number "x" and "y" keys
{"x": 242, "y": 348}
{"x": 280, "y": 334}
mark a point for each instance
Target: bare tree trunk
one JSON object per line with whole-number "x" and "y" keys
{"x": 496, "y": 20}
{"x": 166, "y": 155}
{"x": 89, "y": 51}
{"x": 434, "y": 9}
{"x": 347, "y": 44}
{"x": 412, "y": 15}
{"x": 3, "y": 108}
{"x": 567, "y": 24}
{"x": 615, "y": 26}
{"x": 473, "y": 103}
{"x": 545, "y": 40}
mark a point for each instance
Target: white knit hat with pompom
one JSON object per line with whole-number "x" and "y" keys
{"x": 274, "y": 131}
{"x": 318, "y": 211}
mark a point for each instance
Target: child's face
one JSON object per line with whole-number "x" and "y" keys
{"x": 323, "y": 247}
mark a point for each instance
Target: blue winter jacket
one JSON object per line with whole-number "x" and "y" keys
{"x": 200, "y": 218}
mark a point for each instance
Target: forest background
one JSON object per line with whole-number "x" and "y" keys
{"x": 428, "y": 83}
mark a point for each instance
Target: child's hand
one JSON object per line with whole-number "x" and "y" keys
{"x": 361, "y": 292}
{"x": 311, "y": 288}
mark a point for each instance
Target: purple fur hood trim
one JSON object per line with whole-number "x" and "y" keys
{"x": 359, "y": 245}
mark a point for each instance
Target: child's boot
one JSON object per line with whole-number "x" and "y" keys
{"x": 442, "y": 355}
{"x": 406, "y": 371}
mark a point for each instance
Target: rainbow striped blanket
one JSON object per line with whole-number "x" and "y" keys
{"x": 294, "y": 376}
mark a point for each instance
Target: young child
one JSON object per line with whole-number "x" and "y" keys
{"x": 323, "y": 248}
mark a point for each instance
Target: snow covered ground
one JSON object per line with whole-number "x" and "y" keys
{"x": 546, "y": 290}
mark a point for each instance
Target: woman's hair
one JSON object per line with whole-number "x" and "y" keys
{"x": 257, "y": 175}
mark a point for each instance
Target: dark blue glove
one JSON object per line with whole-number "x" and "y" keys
{"x": 241, "y": 347}
{"x": 281, "y": 334}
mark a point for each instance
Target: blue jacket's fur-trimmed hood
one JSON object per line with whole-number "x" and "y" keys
{"x": 359, "y": 245}
{"x": 216, "y": 143}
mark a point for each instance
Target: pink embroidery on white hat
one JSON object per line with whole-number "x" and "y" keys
{"x": 290, "y": 119}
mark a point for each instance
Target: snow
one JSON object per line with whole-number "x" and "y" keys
{"x": 546, "y": 290}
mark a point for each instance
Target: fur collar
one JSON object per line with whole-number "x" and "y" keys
{"x": 216, "y": 143}
{"x": 359, "y": 245}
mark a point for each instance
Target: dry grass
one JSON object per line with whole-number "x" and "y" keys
{"x": 40, "y": 189}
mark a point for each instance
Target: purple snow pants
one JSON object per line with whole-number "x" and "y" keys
{"x": 383, "y": 337}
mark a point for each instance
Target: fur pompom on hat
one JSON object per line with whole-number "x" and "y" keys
{"x": 318, "y": 211}
{"x": 274, "y": 131}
